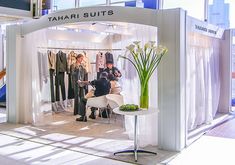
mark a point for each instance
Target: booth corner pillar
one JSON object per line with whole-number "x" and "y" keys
{"x": 225, "y": 60}
{"x": 13, "y": 50}
{"x": 171, "y": 80}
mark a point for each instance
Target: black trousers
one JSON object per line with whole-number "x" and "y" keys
{"x": 59, "y": 83}
{"x": 86, "y": 86}
{"x": 51, "y": 72}
{"x": 70, "y": 89}
{"x": 82, "y": 107}
{"x": 79, "y": 94}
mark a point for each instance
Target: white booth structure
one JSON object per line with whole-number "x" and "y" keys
{"x": 190, "y": 86}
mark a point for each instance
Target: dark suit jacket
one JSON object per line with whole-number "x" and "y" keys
{"x": 109, "y": 57}
{"x": 61, "y": 62}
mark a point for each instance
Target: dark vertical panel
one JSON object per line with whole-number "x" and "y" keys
{"x": 16, "y": 4}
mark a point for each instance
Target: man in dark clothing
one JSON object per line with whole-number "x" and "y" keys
{"x": 102, "y": 87}
{"x": 112, "y": 70}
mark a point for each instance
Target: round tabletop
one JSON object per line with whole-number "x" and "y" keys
{"x": 134, "y": 113}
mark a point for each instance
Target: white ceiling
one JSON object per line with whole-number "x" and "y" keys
{"x": 103, "y": 27}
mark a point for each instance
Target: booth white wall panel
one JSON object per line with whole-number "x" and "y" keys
{"x": 226, "y": 73}
{"x": 13, "y": 45}
{"x": 171, "y": 77}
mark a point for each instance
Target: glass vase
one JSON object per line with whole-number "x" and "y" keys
{"x": 144, "y": 96}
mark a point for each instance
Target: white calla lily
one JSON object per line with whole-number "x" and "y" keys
{"x": 130, "y": 47}
{"x": 145, "y": 61}
{"x": 136, "y": 42}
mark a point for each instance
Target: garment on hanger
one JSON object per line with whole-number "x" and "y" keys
{"x": 100, "y": 61}
{"x": 61, "y": 62}
{"x": 51, "y": 59}
{"x": 86, "y": 62}
{"x": 78, "y": 72}
{"x": 43, "y": 70}
{"x": 61, "y": 67}
{"x": 87, "y": 65}
{"x": 52, "y": 65}
{"x": 109, "y": 57}
{"x": 71, "y": 59}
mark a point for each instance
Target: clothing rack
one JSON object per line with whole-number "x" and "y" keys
{"x": 79, "y": 49}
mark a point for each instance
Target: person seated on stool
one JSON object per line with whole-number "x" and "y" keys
{"x": 112, "y": 70}
{"x": 102, "y": 87}
{"x": 115, "y": 85}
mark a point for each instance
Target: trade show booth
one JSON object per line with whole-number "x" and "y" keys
{"x": 189, "y": 87}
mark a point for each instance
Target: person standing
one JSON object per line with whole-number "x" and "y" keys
{"x": 78, "y": 73}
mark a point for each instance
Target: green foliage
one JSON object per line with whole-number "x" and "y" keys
{"x": 129, "y": 107}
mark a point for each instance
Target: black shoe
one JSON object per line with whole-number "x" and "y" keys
{"x": 92, "y": 116}
{"x": 104, "y": 114}
{"x": 82, "y": 118}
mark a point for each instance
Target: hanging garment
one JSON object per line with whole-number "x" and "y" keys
{"x": 109, "y": 57}
{"x": 86, "y": 63}
{"x": 78, "y": 72}
{"x": 42, "y": 68}
{"x": 51, "y": 72}
{"x": 61, "y": 62}
{"x": 70, "y": 61}
{"x": 51, "y": 60}
{"x": 100, "y": 61}
{"x": 61, "y": 67}
{"x": 51, "y": 65}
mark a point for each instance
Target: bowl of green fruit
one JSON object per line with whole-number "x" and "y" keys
{"x": 129, "y": 107}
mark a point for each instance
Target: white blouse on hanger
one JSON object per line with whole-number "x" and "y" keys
{"x": 86, "y": 63}
{"x": 100, "y": 61}
{"x": 71, "y": 59}
{"x": 51, "y": 60}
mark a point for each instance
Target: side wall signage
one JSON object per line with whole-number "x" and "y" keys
{"x": 16, "y": 4}
{"x": 204, "y": 28}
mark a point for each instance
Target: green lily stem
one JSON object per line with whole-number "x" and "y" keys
{"x": 144, "y": 96}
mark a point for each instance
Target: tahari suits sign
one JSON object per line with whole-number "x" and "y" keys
{"x": 71, "y": 16}
{"x": 90, "y": 14}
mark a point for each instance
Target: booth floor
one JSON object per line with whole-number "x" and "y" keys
{"x": 62, "y": 140}
{"x": 215, "y": 147}
{"x": 3, "y": 117}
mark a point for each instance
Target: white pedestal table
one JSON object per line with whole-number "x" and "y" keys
{"x": 135, "y": 114}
